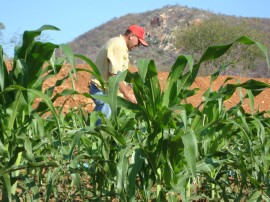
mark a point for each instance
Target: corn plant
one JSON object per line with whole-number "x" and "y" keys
{"x": 32, "y": 139}
{"x": 177, "y": 148}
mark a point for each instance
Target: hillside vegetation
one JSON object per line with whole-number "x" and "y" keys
{"x": 161, "y": 26}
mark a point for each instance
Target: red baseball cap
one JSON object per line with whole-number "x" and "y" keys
{"x": 139, "y": 32}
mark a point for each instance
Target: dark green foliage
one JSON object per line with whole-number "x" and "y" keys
{"x": 196, "y": 38}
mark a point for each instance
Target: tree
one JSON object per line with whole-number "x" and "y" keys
{"x": 2, "y": 26}
{"x": 15, "y": 39}
{"x": 197, "y": 37}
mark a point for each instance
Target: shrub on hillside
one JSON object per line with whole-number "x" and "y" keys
{"x": 220, "y": 30}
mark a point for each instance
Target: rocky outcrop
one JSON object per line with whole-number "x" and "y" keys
{"x": 160, "y": 25}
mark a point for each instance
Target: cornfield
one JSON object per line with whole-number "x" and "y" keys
{"x": 160, "y": 149}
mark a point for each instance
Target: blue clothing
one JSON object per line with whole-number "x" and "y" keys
{"x": 100, "y": 105}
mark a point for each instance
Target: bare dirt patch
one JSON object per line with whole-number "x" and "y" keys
{"x": 82, "y": 85}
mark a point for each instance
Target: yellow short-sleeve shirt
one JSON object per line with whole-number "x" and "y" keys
{"x": 113, "y": 58}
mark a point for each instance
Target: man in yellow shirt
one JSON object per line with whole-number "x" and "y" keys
{"x": 114, "y": 58}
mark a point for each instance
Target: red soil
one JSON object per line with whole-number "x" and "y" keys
{"x": 261, "y": 101}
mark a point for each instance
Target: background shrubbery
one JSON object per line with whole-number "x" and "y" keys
{"x": 216, "y": 30}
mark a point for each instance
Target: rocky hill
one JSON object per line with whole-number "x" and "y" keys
{"x": 160, "y": 25}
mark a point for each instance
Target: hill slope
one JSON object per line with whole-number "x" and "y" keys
{"x": 160, "y": 25}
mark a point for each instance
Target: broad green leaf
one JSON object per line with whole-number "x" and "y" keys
{"x": 191, "y": 151}
{"x": 217, "y": 73}
{"x": 113, "y": 91}
{"x": 39, "y": 54}
{"x": 115, "y": 135}
{"x": 173, "y": 77}
{"x": 122, "y": 170}
{"x": 143, "y": 69}
{"x": 137, "y": 160}
{"x": 214, "y": 52}
{"x": 94, "y": 72}
{"x": 251, "y": 100}
{"x": 28, "y": 39}
{"x": 76, "y": 179}
{"x": 7, "y": 188}
{"x": 255, "y": 196}
{"x": 34, "y": 189}
{"x": 75, "y": 141}
{"x": 151, "y": 88}
{"x": 49, "y": 184}
{"x": 209, "y": 164}
{"x": 28, "y": 148}
{"x": 70, "y": 56}
{"x": 3, "y": 71}
{"x": 37, "y": 93}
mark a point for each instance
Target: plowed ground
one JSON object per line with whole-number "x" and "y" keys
{"x": 262, "y": 101}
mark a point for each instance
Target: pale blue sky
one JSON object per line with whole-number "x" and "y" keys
{"x": 75, "y": 17}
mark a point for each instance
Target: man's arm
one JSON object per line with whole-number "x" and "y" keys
{"x": 126, "y": 91}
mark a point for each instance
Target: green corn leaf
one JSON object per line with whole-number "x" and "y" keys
{"x": 113, "y": 90}
{"x": 153, "y": 83}
{"x": 151, "y": 90}
{"x": 217, "y": 73}
{"x": 214, "y": 52}
{"x": 95, "y": 72}
{"x": 209, "y": 164}
{"x": 37, "y": 93}
{"x": 122, "y": 170}
{"x": 115, "y": 135}
{"x": 267, "y": 147}
{"x": 40, "y": 53}
{"x": 255, "y": 86}
{"x": 265, "y": 197}
{"x": 34, "y": 189}
{"x": 123, "y": 103}
{"x": 12, "y": 111}
{"x": 75, "y": 141}
{"x": 256, "y": 196}
{"x": 49, "y": 184}
{"x": 76, "y": 179}
{"x": 135, "y": 167}
{"x": 70, "y": 56}
{"x": 7, "y": 188}
{"x": 28, "y": 148}
{"x": 261, "y": 130}
{"x": 174, "y": 75}
{"x": 3, "y": 71}
{"x": 28, "y": 40}
{"x": 137, "y": 85}
{"x": 191, "y": 151}
{"x": 50, "y": 90}
{"x": 40, "y": 144}
{"x": 251, "y": 100}
{"x": 38, "y": 126}
{"x": 143, "y": 69}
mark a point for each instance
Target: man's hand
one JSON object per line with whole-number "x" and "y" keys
{"x": 131, "y": 98}
{"x": 127, "y": 91}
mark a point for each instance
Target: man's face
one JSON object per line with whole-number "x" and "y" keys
{"x": 133, "y": 42}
